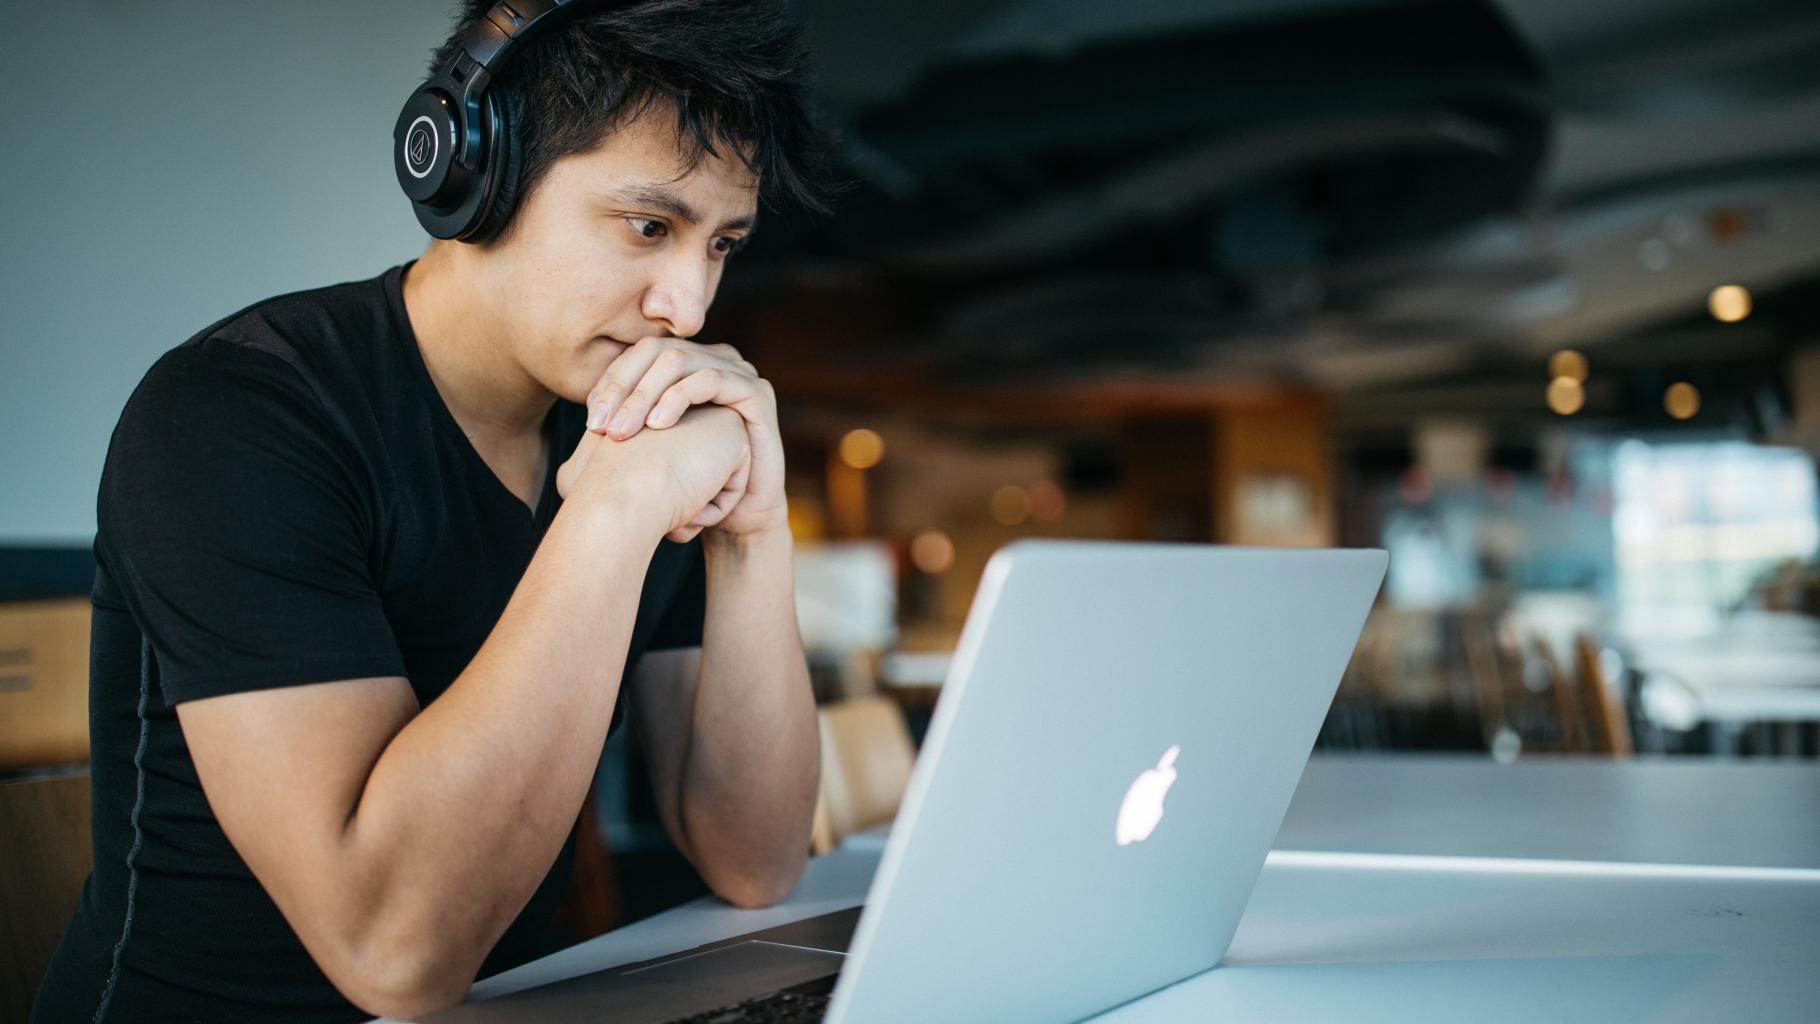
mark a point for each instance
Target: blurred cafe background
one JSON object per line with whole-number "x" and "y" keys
{"x": 1525, "y": 291}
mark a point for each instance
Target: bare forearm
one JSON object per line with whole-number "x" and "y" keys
{"x": 750, "y": 778}
{"x": 476, "y": 795}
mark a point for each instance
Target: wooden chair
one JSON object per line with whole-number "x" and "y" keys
{"x": 1604, "y": 703}
{"x": 866, "y": 760}
{"x": 1575, "y": 738}
{"x": 44, "y": 858}
{"x": 1478, "y": 637}
{"x": 44, "y": 683}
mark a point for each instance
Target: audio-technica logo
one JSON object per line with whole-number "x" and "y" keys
{"x": 420, "y": 147}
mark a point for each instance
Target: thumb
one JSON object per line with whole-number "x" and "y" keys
{"x": 571, "y": 469}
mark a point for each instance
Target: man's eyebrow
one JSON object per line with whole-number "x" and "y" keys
{"x": 652, "y": 197}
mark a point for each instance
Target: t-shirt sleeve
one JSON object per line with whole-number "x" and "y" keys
{"x": 231, "y": 513}
{"x": 683, "y": 618}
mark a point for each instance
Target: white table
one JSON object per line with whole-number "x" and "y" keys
{"x": 1389, "y": 912}
{"x": 1660, "y": 810}
{"x": 1761, "y": 667}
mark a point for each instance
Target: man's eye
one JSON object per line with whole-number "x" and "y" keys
{"x": 647, "y": 227}
{"x": 726, "y": 245}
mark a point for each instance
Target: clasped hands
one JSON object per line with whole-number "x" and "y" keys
{"x": 654, "y": 381}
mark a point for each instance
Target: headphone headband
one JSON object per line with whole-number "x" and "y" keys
{"x": 448, "y": 142}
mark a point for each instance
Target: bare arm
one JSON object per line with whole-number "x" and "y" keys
{"x": 730, "y": 730}
{"x": 361, "y": 815}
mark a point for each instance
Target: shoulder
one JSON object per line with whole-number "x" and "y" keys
{"x": 297, "y": 354}
{"x": 206, "y": 392}
{"x": 326, "y": 339}
{"x": 281, "y": 386}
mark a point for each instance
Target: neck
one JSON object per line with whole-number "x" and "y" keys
{"x": 463, "y": 341}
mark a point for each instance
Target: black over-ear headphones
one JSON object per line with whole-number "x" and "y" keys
{"x": 454, "y": 148}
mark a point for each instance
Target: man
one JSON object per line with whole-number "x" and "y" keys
{"x": 368, "y": 584}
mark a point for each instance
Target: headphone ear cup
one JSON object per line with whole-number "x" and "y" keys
{"x": 497, "y": 209}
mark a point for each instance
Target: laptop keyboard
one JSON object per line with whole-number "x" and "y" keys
{"x": 806, "y": 1003}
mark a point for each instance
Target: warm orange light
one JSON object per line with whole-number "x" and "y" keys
{"x": 1047, "y": 503}
{"x": 1729, "y": 303}
{"x": 1010, "y": 505}
{"x": 932, "y": 552}
{"x": 1567, "y": 363}
{"x": 1682, "y": 400}
{"x": 862, "y": 448}
{"x": 1566, "y": 396}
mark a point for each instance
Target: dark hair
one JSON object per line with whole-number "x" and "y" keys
{"x": 735, "y": 73}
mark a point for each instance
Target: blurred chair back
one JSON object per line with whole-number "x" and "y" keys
{"x": 1604, "y": 703}
{"x": 866, "y": 760}
{"x": 43, "y": 683}
{"x": 44, "y": 858}
{"x": 1478, "y": 636}
{"x": 1574, "y": 737}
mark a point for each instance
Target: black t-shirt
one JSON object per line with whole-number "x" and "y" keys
{"x": 286, "y": 500}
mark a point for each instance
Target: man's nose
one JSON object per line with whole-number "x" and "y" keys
{"x": 678, "y": 297}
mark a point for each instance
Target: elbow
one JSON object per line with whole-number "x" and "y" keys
{"x": 403, "y": 980}
{"x": 751, "y": 890}
{"x": 402, "y": 998}
{"x": 751, "y": 896}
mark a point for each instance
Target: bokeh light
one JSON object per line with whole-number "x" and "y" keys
{"x": 1682, "y": 400}
{"x": 932, "y": 552}
{"x": 1566, "y": 395}
{"x": 1567, "y": 363}
{"x": 1010, "y": 505}
{"x": 1047, "y": 503}
{"x": 862, "y": 448}
{"x": 1729, "y": 303}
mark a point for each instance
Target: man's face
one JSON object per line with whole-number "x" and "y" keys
{"x": 613, "y": 246}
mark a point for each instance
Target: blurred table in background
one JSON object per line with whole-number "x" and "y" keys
{"x": 1637, "y": 811}
{"x": 1761, "y": 667}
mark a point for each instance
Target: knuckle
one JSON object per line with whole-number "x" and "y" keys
{"x": 670, "y": 359}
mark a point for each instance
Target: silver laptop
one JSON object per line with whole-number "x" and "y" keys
{"x": 1115, "y": 745}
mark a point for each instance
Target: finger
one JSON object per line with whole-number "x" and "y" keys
{"x": 667, "y": 370}
{"x": 709, "y": 385}
{"x": 732, "y": 357}
{"x": 714, "y": 511}
{"x": 572, "y": 467}
{"x": 621, "y": 377}
{"x": 683, "y": 534}
{"x": 720, "y": 507}
{"x": 723, "y": 503}
{"x": 737, "y": 483}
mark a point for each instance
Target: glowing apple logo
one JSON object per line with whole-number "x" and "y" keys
{"x": 1143, "y": 806}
